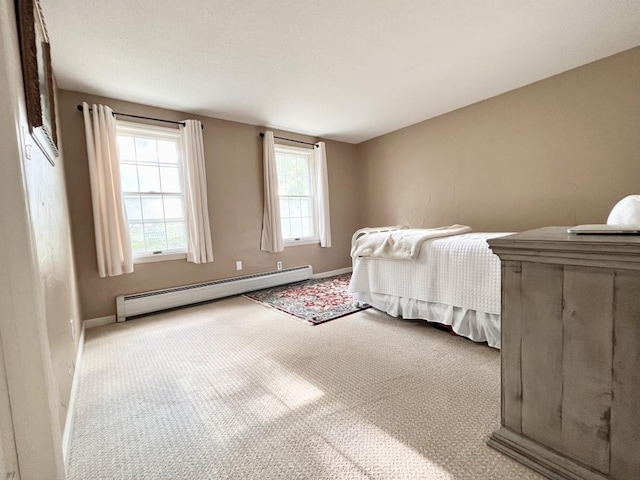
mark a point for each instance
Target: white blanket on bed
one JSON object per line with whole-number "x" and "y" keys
{"x": 461, "y": 271}
{"x": 402, "y": 244}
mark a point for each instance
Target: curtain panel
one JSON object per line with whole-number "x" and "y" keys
{"x": 322, "y": 195}
{"x": 113, "y": 245}
{"x": 199, "y": 246}
{"x": 271, "y": 228}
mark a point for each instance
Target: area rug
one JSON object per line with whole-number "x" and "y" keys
{"x": 315, "y": 301}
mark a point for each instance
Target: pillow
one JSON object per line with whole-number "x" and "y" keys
{"x": 626, "y": 211}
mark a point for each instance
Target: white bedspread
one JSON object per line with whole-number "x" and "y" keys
{"x": 460, "y": 271}
{"x": 404, "y": 244}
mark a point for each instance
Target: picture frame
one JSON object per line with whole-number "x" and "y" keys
{"x": 39, "y": 86}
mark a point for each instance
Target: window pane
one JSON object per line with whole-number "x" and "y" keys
{"x": 155, "y": 236}
{"x": 126, "y": 150}
{"x": 280, "y": 167}
{"x": 146, "y": 150}
{"x": 170, "y": 177}
{"x": 284, "y": 207}
{"x": 176, "y": 235}
{"x": 288, "y": 187}
{"x": 173, "y": 208}
{"x": 282, "y": 187}
{"x": 292, "y": 176}
{"x": 302, "y": 176}
{"x": 286, "y": 228}
{"x": 303, "y": 186}
{"x": 286, "y": 175}
{"x": 149, "y": 179}
{"x": 132, "y": 206}
{"x": 296, "y": 228}
{"x": 284, "y": 182}
{"x": 167, "y": 151}
{"x": 152, "y": 208}
{"x": 137, "y": 237}
{"x": 129, "y": 177}
{"x": 306, "y": 207}
{"x": 294, "y": 205}
{"x": 307, "y": 227}
{"x": 297, "y": 166}
{"x": 284, "y": 163}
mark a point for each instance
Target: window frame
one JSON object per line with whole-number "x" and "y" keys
{"x": 311, "y": 162}
{"x": 124, "y": 127}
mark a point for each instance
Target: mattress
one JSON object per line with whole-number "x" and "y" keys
{"x": 458, "y": 271}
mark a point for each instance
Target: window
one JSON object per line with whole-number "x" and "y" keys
{"x": 296, "y": 189}
{"x": 152, "y": 188}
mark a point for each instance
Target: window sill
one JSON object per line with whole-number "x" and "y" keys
{"x": 295, "y": 243}
{"x": 162, "y": 257}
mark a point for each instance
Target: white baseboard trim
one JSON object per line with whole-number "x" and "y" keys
{"x": 333, "y": 273}
{"x": 97, "y": 322}
{"x": 67, "y": 435}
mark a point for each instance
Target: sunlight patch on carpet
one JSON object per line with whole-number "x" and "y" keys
{"x": 292, "y": 389}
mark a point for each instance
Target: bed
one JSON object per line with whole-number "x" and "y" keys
{"x": 446, "y": 275}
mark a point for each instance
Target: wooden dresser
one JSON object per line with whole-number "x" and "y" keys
{"x": 570, "y": 353}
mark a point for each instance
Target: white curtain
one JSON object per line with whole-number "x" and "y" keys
{"x": 322, "y": 195}
{"x": 271, "y": 228}
{"x": 113, "y": 246}
{"x": 199, "y": 248}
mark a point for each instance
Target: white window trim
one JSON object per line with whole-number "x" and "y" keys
{"x": 136, "y": 127}
{"x": 125, "y": 127}
{"x": 302, "y": 241}
{"x": 161, "y": 257}
{"x": 292, "y": 242}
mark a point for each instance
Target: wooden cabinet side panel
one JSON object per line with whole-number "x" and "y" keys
{"x": 587, "y": 364}
{"x": 511, "y": 321}
{"x": 542, "y": 353}
{"x": 625, "y": 411}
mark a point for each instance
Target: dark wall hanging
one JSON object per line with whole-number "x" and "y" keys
{"x": 38, "y": 77}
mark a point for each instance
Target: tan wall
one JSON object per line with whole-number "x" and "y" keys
{"x": 234, "y": 176}
{"x": 51, "y": 231}
{"x": 38, "y": 297}
{"x": 561, "y": 151}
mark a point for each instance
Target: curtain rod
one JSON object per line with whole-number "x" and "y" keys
{"x": 291, "y": 140}
{"x": 80, "y": 108}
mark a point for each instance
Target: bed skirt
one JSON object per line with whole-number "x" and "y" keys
{"x": 472, "y": 324}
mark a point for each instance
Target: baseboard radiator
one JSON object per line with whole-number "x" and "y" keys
{"x": 142, "y": 303}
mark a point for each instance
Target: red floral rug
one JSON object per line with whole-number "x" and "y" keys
{"x": 315, "y": 301}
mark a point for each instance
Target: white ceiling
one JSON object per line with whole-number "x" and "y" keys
{"x": 346, "y": 70}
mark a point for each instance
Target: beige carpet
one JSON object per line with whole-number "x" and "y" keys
{"x": 232, "y": 389}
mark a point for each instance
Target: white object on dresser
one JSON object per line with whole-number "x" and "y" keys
{"x": 626, "y": 211}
